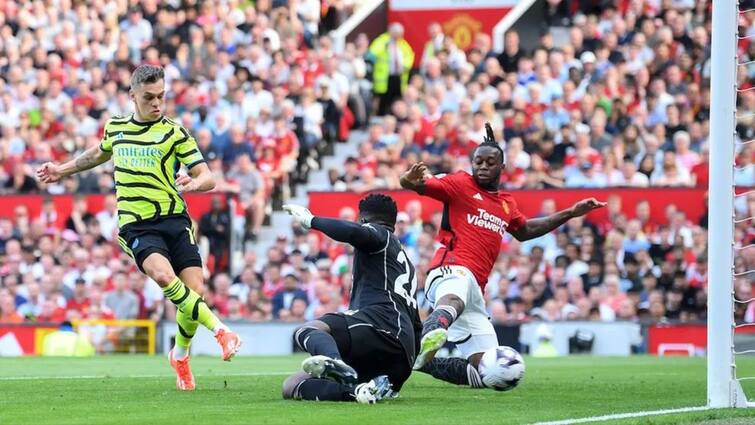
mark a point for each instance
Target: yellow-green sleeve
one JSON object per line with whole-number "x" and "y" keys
{"x": 106, "y": 144}
{"x": 187, "y": 150}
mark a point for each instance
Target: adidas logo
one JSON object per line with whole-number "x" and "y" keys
{"x": 478, "y": 196}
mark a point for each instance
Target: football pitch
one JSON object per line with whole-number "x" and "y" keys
{"x": 141, "y": 390}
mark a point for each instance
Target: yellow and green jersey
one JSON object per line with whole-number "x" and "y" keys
{"x": 146, "y": 158}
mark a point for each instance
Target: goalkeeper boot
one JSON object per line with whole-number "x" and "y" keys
{"x": 431, "y": 343}
{"x": 372, "y": 391}
{"x": 230, "y": 343}
{"x": 334, "y": 369}
{"x": 184, "y": 377}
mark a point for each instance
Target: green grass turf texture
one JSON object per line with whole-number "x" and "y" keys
{"x": 141, "y": 390}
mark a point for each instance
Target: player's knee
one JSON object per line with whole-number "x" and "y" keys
{"x": 198, "y": 287}
{"x": 301, "y": 333}
{"x": 312, "y": 325}
{"x": 452, "y": 300}
{"x": 162, "y": 276}
{"x": 290, "y": 384}
{"x": 319, "y": 325}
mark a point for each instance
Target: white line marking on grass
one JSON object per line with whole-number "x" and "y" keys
{"x": 38, "y": 378}
{"x": 625, "y": 416}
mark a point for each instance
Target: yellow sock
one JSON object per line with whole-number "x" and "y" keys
{"x": 190, "y": 304}
{"x": 186, "y": 330}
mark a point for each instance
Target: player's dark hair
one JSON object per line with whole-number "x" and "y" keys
{"x": 146, "y": 74}
{"x": 379, "y": 207}
{"x": 489, "y": 141}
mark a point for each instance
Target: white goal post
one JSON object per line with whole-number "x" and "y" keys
{"x": 724, "y": 389}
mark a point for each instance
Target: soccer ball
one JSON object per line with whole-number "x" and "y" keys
{"x": 501, "y": 368}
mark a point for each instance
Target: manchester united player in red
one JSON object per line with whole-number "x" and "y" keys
{"x": 475, "y": 216}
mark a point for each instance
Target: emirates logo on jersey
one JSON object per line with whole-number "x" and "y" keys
{"x": 487, "y": 221}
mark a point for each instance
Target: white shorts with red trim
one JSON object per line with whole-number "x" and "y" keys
{"x": 472, "y": 331}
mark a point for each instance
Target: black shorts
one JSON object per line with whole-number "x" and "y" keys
{"x": 171, "y": 237}
{"x": 368, "y": 349}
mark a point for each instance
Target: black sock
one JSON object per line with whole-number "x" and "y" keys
{"x": 441, "y": 317}
{"x": 316, "y": 342}
{"x": 323, "y": 390}
{"x": 454, "y": 370}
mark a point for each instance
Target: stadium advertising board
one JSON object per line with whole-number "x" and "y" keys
{"x": 199, "y": 203}
{"x": 23, "y": 339}
{"x": 690, "y": 339}
{"x": 691, "y": 201}
{"x": 460, "y": 19}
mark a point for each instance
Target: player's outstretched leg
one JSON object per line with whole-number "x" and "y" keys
{"x": 188, "y": 301}
{"x": 435, "y": 328}
{"x": 300, "y": 386}
{"x": 191, "y": 304}
{"x": 314, "y": 338}
{"x": 454, "y": 370}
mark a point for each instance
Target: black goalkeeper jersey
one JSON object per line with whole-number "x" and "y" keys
{"x": 384, "y": 279}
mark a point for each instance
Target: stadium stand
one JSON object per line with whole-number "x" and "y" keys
{"x": 623, "y": 102}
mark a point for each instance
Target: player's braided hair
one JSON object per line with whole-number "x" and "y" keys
{"x": 379, "y": 207}
{"x": 146, "y": 74}
{"x": 489, "y": 141}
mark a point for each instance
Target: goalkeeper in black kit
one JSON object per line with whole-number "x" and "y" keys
{"x": 366, "y": 353}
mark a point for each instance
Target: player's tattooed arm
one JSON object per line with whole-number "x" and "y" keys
{"x": 91, "y": 158}
{"x": 536, "y": 227}
{"x": 414, "y": 178}
{"x": 51, "y": 172}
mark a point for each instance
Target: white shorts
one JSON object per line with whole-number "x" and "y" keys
{"x": 472, "y": 331}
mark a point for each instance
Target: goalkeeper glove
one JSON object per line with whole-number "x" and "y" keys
{"x": 300, "y": 215}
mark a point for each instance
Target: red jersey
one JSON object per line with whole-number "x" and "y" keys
{"x": 474, "y": 221}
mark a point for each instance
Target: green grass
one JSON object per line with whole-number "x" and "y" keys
{"x": 141, "y": 390}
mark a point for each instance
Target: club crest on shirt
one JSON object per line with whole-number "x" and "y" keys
{"x": 505, "y": 207}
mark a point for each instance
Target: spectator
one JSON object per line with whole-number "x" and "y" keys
{"x": 79, "y": 301}
{"x": 108, "y": 218}
{"x": 80, "y": 216}
{"x": 21, "y": 180}
{"x": 8, "y": 313}
{"x": 216, "y": 226}
{"x": 121, "y": 300}
{"x": 237, "y": 146}
{"x": 247, "y": 182}
{"x": 285, "y": 297}
{"x": 392, "y": 58}
{"x": 138, "y": 32}
{"x": 434, "y": 44}
{"x": 221, "y": 293}
{"x": 512, "y": 53}
{"x": 635, "y": 241}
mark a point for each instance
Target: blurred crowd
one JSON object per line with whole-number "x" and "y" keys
{"x": 257, "y": 83}
{"x": 622, "y": 100}
{"x": 616, "y": 94}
